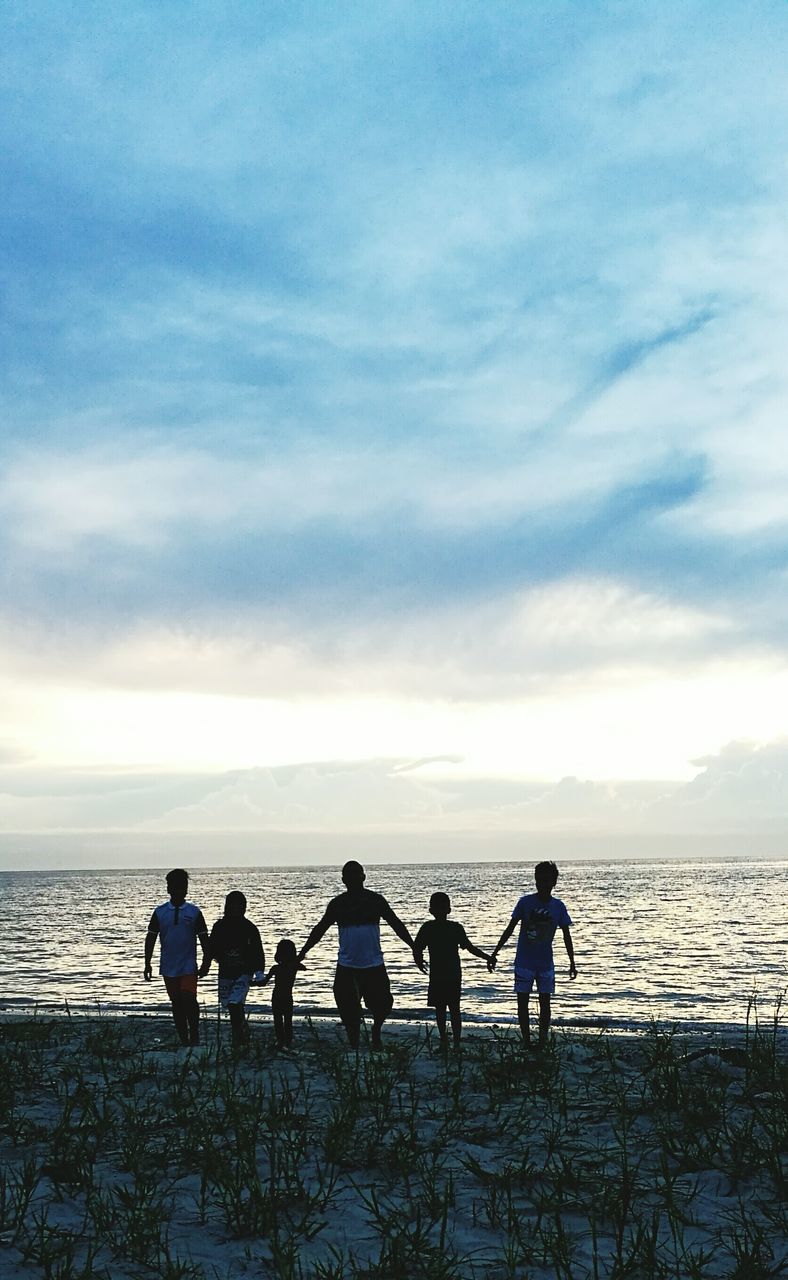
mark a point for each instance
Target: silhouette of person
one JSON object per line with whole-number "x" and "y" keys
{"x": 443, "y": 938}
{"x": 539, "y": 915}
{"x": 236, "y": 943}
{"x": 178, "y": 924}
{"x": 284, "y": 974}
{"x": 360, "y": 973}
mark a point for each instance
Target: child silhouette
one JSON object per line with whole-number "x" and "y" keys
{"x": 284, "y": 975}
{"x": 443, "y": 938}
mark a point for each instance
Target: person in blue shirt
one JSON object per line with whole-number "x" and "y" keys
{"x": 178, "y": 924}
{"x": 539, "y": 915}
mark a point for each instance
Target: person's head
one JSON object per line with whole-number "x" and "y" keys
{"x": 353, "y": 875}
{"x": 440, "y": 905}
{"x": 546, "y": 876}
{"x": 235, "y": 904}
{"x": 178, "y": 884}
{"x": 285, "y": 952}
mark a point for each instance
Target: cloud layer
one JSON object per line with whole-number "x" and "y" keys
{"x": 432, "y": 354}
{"x": 741, "y": 792}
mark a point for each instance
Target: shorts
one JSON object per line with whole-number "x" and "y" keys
{"x": 184, "y": 984}
{"x": 544, "y": 978}
{"x": 234, "y": 990}
{"x": 351, "y": 986}
{"x": 444, "y": 991}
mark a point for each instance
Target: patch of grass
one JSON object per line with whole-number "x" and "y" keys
{"x": 598, "y": 1160}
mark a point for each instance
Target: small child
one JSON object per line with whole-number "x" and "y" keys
{"x": 236, "y": 943}
{"x": 443, "y": 938}
{"x": 284, "y": 976}
{"x": 539, "y": 914}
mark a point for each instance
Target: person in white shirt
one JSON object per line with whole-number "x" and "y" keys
{"x": 178, "y": 924}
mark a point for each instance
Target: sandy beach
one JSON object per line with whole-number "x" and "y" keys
{"x": 662, "y": 1155}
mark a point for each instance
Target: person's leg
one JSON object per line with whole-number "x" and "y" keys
{"x": 287, "y": 1024}
{"x": 522, "y": 1015}
{"x": 523, "y": 984}
{"x": 178, "y": 1009}
{"x": 440, "y": 1018}
{"x": 279, "y": 1025}
{"x": 456, "y": 1023}
{"x": 545, "y": 985}
{"x": 348, "y": 1002}
{"x": 376, "y": 989}
{"x": 544, "y": 1020}
{"x": 188, "y": 984}
{"x": 237, "y": 1023}
{"x": 192, "y": 1016}
{"x": 180, "y": 1016}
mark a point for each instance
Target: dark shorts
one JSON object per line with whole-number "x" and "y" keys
{"x": 444, "y": 990}
{"x": 351, "y": 986}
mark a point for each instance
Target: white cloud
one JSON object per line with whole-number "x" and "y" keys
{"x": 540, "y": 642}
{"x": 739, "y": 793}
{"x": 742, "y": 788}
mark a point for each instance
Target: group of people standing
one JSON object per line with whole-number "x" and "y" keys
{"x": 235, "y": 943}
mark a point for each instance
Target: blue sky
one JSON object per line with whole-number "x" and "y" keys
{"x": 393, "y": 382}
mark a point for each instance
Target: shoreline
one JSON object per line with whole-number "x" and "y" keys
{"x": 413, "y": 1020}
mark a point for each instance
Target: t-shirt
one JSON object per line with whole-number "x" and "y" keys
{"x": 442, "y": 939}
{"x": 539, "y": 921}
{"x": 235, "y": 942}
{"x": 358, "y": 915}
{"x": 177, "y": 928}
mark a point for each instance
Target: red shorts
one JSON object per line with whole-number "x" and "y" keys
{"x": 186, "y": 984}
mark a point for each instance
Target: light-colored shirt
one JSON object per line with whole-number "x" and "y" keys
{"x": 177, "y": 928}
{"x": 357, "y": 915}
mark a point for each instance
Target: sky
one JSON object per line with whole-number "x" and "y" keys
{"x": 393, "y": 404}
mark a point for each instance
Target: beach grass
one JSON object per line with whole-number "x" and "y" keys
{"x": 660, "y": 1155}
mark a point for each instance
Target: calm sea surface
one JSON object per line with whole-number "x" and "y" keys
{"x": 677, "y": 941}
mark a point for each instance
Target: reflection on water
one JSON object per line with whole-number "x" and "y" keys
{"x": 688, "y": 940}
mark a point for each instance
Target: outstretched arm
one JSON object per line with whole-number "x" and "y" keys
{"x": 396, "y": 924}
{"x": 418, "y": 950}
{"x": 467, "y": 945}
{"x": 202, "y": 932}
{"x": 502, "y": 941}
{"x": 320, "y": 928}
{"x": 401, "y": 931}
{"x": 205, "y": 945}
{"x": 570, "y": 951}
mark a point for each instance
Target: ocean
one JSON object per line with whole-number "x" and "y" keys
{"x": 687, "y": 942}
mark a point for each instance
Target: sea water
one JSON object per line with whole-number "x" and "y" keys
{"x": 677, "y": 941}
